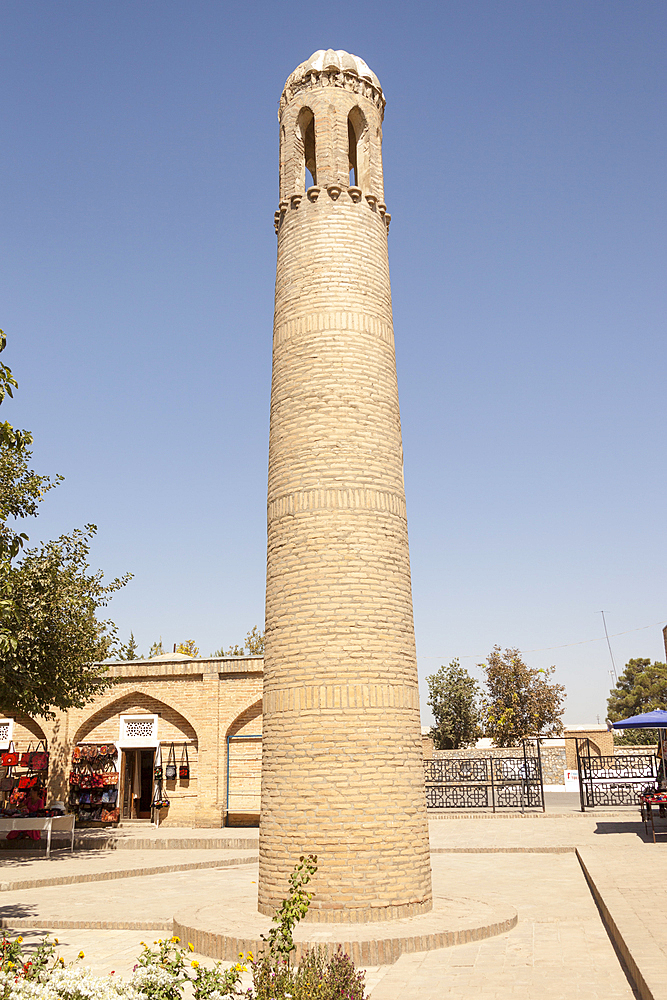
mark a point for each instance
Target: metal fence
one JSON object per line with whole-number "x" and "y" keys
{"x": 487, "y": 782}
{"x": 613, "y": 781}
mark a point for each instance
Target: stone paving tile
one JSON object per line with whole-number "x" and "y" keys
{"x": 630, "y": 889}
{"x": 559, "y": 948}
{"x": 487, "y": 832}
{"x": 148, "y": 898}
{"x": 92, "y": 865}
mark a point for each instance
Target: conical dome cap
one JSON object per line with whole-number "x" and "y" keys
{"x": 331, "y": 60}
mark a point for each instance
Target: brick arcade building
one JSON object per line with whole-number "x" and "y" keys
{"x": 210, "y": 710}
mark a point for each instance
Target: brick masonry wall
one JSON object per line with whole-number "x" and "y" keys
{"x": 342, "y": 772}
{"x": 197, "y": 701}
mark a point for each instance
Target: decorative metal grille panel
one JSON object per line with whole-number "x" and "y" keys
{"x": 628, "y": 766}
{"x": 486, "y": 782}
{"x": 613, "y": 781}
{"x": 474, "y": 769}
{"x": 457, "y": 797}
{"x": 612, "y": 795}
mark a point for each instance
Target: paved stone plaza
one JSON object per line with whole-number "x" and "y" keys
{"x": 534, "y": 865}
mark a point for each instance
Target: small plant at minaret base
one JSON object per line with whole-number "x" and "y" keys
{"x": 316, "y": 975}
{"x": 291, "y": 910}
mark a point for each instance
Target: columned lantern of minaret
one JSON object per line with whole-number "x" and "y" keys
{"x": 342, "y": 773}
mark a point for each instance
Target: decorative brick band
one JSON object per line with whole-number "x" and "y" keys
{"x": 328, "y": 500}
{"x": 346, "y": 80}
{"x": 360, "y": 914}
{"x": 335, "y": 321}
{"x": 340, "y": 696}
{"x": 334, "y": 191}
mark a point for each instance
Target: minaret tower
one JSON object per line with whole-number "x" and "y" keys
{"x": 342, "y": 772}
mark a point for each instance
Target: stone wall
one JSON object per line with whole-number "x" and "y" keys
{"x": 553, "y": 758}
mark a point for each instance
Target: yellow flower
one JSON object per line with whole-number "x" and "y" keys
{"x": 81, "y": 955}
{"x": 10, "y": 965}
{"x": 191, "y": 946}
{"x": 194, "y": 964}
{"x": 62, "y": 962}
{"x": 56, "y": 941}
{"x": 175, "y": 940}
{"x": 20, "y": 940}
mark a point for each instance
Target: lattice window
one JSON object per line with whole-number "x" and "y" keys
{"x": 138, "y": 730}
{"x": 6, "y": 729}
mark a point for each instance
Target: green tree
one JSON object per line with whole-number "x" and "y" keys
{"x": 156, "y": 649}
{"x": 521, "y": 700}
{"x": 254, "y": 643}
{"x": 641, "y": 687}
{"x": 454, "y": 699}
{"x": 58, "y": 644}
{"x": 188, "y": 647}
{"x": 51, "y": 642}
{"x": 130, "y": 650}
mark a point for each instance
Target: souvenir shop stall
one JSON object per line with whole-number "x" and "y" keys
{"x": 93, "y": 783}
{"x": 24, "y": 812}
{"x": 23, "y": 777}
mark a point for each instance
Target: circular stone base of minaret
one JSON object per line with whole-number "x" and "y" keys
{"x": 232, "y": 925}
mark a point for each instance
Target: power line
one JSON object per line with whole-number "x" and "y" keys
{"x": 544, "y": 649}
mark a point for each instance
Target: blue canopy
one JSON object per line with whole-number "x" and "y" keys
{"x": 657, "y": 719}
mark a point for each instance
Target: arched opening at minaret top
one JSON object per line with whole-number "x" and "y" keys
{"x": 305, "y": 149}
{"x": 358, "y": 147}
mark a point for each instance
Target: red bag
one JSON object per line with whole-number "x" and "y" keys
{"x": 26, "y": 756}
{"x": 111, "y": 778}
{"x": 74, "y": 779}
{"x": 10, "y": 758}
{"x": 27, "y": 781}
{"x": 184, "y": 767}
{"x": 40, "y": 758}
{"x": 110, "y": 815}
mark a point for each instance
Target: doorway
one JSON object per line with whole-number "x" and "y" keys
{"x": 137, "y": 783}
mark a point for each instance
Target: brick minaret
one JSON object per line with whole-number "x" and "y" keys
{"x": 342, "y": 770}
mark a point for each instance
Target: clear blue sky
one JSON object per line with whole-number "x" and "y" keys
{"x": 525, "y": 173}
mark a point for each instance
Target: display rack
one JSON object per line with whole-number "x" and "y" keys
{"x": 93, "y": 783}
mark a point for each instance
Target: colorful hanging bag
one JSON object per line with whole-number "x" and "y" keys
{"x": 184, "y": 768}
{"x": 10, "y": 758}
{"x": 40, "y": 758}
{"x": 170, "y": 770}
{"x": 26, "y": 756}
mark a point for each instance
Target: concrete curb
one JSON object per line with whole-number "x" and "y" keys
{"x": 503, "y": 850}
{"x": 621, "y": 936}
{"x": 35, "y": 883}
{"x": 590, "y": 814}
{"x": 43, "y": 923}
{"x": 379, "y": 951}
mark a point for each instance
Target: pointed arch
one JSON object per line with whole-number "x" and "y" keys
{"x": 132, "y": 701}
{"x": 359, "y": 148}
{"x": 304, "y": 149}
{"x": 249, "y": 721}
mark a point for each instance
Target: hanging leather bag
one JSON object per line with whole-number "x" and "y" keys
{"x": 26, "y": 756}
{"x": 184, "y": 768}
{"x": 10, "y": 758}
{"x": 170, "y": 770}
{"x": 6, "y": 783}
